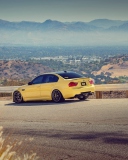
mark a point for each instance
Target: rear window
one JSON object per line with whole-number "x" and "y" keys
{"x": 70, "y": 75}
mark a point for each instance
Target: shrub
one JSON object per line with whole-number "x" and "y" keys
{"x": 7, "y": 153}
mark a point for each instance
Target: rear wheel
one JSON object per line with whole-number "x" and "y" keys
{"x": 82, "y": 97}
{"x": 57, "y": 96}
{"x": 17, "y": 97}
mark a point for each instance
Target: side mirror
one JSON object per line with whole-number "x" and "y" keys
{"x": 29, "y": 83}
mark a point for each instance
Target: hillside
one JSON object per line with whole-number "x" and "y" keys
{"x": 21, "y": 69}
{"x": 111, "y": 70}
{"x": 114, "y": 67}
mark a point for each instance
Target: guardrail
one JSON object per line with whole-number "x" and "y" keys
{"x": 8, "y": 89}
{"x": 98, "y": 88}
{"x": 110, "y": 87}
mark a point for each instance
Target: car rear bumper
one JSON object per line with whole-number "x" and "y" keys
{"x": 74, "y": 92}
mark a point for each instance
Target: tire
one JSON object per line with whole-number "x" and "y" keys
{"x": 82, "y": 97}
{"x": 57, "y": 96}
{"x": 17, "y": 97}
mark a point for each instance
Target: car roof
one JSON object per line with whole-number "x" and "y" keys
{"x": 64, "y": 72}
{"x": 59, "y": 72}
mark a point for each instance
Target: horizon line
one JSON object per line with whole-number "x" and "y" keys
{"x": 63, "y": 22}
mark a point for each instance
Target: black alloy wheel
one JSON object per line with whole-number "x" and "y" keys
{"x": 17, "y": 97}
{"x": 57, "y": 96}
{"x": 82, "y": 97}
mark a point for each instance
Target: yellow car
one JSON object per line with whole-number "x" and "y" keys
{"x": 56, "y": 87}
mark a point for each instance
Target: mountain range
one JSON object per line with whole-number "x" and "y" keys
{"x": 52, "y": 32}
{"x": 52, "y": 25}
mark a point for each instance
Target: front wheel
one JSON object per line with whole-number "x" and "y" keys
{"x": 17, "y": 97}
{"x": 57, "y": 96}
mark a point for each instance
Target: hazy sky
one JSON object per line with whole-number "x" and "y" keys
{"x": 63, "y": 10}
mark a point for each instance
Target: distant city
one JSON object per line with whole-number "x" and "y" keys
{"x": 61, "y": 53}
{"x": 73, "y": 60}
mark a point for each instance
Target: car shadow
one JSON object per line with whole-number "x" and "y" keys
{"x": 44, "y": 103}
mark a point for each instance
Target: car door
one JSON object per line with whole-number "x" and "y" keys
{"x": 48, "y": 86}
{"x": 33, "y": 90}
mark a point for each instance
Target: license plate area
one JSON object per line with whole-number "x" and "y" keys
{"x": 83, "y": 83}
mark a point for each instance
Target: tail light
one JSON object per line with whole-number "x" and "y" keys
{"x": 72, "y": 84}
{"x": 91, "y": 81}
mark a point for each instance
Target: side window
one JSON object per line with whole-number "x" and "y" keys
{"x": 55, "y": 78}
{"x": 51, "y": 78}
{"x": 38, "y": 80}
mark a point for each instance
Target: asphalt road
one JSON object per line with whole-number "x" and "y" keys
{"x": 96, "y": 129}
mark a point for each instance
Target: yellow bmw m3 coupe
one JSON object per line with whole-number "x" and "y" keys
{"x": 56, "y": 86}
